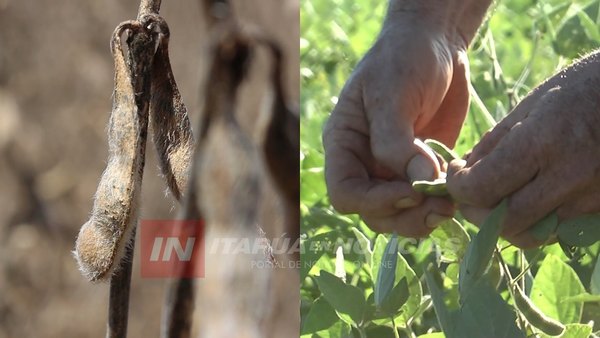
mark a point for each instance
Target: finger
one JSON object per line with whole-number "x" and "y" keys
{"x": 414, "y": 222}
{"x": 586, "y": 203}
{"x": 477, "y": 216}
{"x": 524, "y": 240}
{"x": 394, "y": 146}
{"x": 448, "y": 119}
{"x": 508, "y": 167}
{"x": 491, "y": 138}
{"x": 391, "y": 120}
{"x": 350, "y": 186}
{"x": 535, "y": 201}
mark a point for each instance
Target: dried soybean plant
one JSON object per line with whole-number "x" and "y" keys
{"x": 224, "y": 155}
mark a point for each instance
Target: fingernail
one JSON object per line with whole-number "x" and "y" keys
{"x": 405, "y": 203}
{"x": 433, "y": 220}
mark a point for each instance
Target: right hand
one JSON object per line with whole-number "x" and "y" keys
{"x": 411, "y": 84}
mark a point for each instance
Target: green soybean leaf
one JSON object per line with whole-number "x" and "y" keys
{"x": 403, "y": 269}
{"x": 397, "y": 297}
{"x": 365, "y": 245}
{"x": 485, "y": 314}
{"x": 441, "y": 149}
{"x": 595, "y": 282}
{"x": 446, "y": 318}
{"x": 321, "y": 316}
{"x": 572, "y": 36}
{"x": 545, "y": 228}
{"x": 338, "y": 330}
{"x": 452, "y": 271}
{"x": 433, "y": 335}
{"x": 589, "y": 26}
{"x": 574, "y": 331}
{"x": 494, "y": 273}
{"x": 424, "y": 306}
{"x": 347, "y": 300}
{"x": 554, "y": 282}
{"x": 313, "y": 248}
{"x": 567, "y": 249}
{"x": 387, "y": 271}
{"x": 580, "y": 231}
{"x": 379, "y": 331}
{"x": 481, "y": 250}
{"x": 452, "y": 239}
{"x": 583, "y": 297}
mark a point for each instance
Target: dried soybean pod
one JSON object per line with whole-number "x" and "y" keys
{"x": 441, "y": 149}
{"x": 102, "y": 239}
{"x": 431, "y": 188}
{"x": 535, "y": 317}
{"x": 172, "y": 132}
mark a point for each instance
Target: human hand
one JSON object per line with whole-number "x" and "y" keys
{"x": 411, "y": 84}
{"x": 543, "y": 157}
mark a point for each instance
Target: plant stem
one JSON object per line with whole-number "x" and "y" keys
{"x": 396, "y": 334}
{"x": 510, "y": 285}
{"x": 118, "y": 303}
{"x": 526, "y": 269}
{"x": 148, "y": 7}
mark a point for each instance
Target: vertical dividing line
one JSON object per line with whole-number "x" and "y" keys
{"x": 118, "y": 305}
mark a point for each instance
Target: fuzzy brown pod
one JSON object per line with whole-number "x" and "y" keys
{"x": 172, "y": 132}
{"x": 103, "y": 238}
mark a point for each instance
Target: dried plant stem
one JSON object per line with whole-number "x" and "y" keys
{"x": 148, "y": 7}
{"x": 118, "y": 306}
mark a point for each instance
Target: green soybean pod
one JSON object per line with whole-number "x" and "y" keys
{"x": 536, "y": 317}
{"x": 441, "y": 149}
{"x": 436, "y": 187}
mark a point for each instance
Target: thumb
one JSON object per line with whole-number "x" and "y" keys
{"x": 394, "y": 146}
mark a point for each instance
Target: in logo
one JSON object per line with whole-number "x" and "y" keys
{"x": 172, "y": 248}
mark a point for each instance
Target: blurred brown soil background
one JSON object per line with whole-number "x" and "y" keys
{"x": 56, "y": 81}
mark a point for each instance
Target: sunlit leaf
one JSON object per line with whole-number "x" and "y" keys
{"x": 347, "y": 300}
{"x": 554, "y": 282}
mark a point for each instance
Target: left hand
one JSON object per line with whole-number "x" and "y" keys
{"x": 544, "y": 156}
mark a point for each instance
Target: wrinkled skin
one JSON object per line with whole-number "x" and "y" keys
{"x": 544, "y": 156}
{"x": 411, "y": 84}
